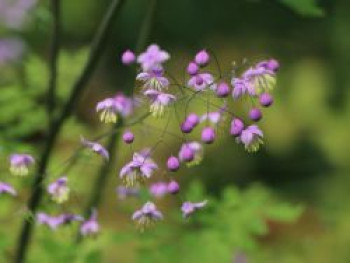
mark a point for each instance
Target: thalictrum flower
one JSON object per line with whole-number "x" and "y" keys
{"x": 152, "y": 58}
{"x": 173, "y": 164}
{"x": 202, "y": 81}
{"x": 173, "y": 187}
{"x": 90, "y": 227}
{"x": 138, "y": 170}
{"x": 128, "y": 57}
{"x": 8, "y": 189}
{"x": 153, "y": 79}
{"x": 237, "y": 127}
{"x": 242, "y": 87}
{"x": 260, "y": 78}
{"x": 158, "y": 189}
{"x": 251, "y": 137}
{"x": 189, "y": 208}
{"x": 195, "y": 149}
{"x": 54, "y": 222}
{"x": 124, "y": 192}
{"x": 202, "y": 58}
{"x": 20, "y": 163}
{"x": 208, "y": 135}
{"x": 159, "y": 101}
{"x": 59, "y": 190}
{"x": 95, "y": 147}
{"x": 147, "y": 216}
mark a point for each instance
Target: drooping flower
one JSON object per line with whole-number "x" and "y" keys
{"x": 128, "y": 57}
{"x": 138, "y": 170}
{"x": 90, "y": 227}
{"x": 242, "y": 87}
{"x": 159, "y": 101}
{"x": 20, "y": 163}
{"x": 152, "y": 57}
{"x": 124, "y": 192}
{"x": 191, "y": 153}
{"x": 202, "y": 81}
{"x": 95, "y": 147}
{"x": 251, "y": 137}
{"x": 11, "y": 50}
{"x": 7, "y": 189}
{"x": 53, "y": 222}
{"x": 189, "y": 208}
{"x": 158, "y": 189}
{"x": 260, "y": 78}
{"x": 153, "y": 79}
{"x": 59, "y": 190}
{"x": 147, "y": 216}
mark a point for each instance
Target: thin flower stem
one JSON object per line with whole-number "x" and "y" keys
{"x": 97, "y": 48}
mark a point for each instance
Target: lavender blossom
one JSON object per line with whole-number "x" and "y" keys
{"x": 242, "y": 87}
{"x": 271, "y": 64}
{"x": 159, "y": 101}
{"x": 158, "y": 189}
{"x": 53, "y": 222}
{"x": 147, "y": 216}
{"x": 173, "y": 187}
{"x": 128, "y": 57}
{"x": 208, "y": 135}
{"x": 173, "y": 164}
{"x": 20, "y": 163}
{"x": 255, "y": 114}
{"x": 251, "y": 137}
{"x": 138, "y": 170}
{"x": 265, "y": 99}
{"x": 95, "y": 147}
{"x": 202, "y": 81}
{"x": 237, "y": 127}
{"x": 7, "y": 189}
{"x": 153, "y": 57}
{"x": 124, "y": 192}
{"x": 59, "y": 190}
{"x": 90, "y": 227}
{"x": 189, "y": 208}
{"x": 128, "y": 137}
{"x": 191, "y": 153}
{"x": 202, "y": 58}
{"x": 153, "y": 79}
{"x": 192, "y": 69}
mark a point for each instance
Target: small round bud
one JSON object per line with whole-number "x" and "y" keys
{"x": 192, "y": 68}
{"x": 128, "y": 137}
{"x": 208, "y": 135}
{"x": 199, "y": 80}
{"x": 237, "y": 127}
{"x": 173, "y": 187}
{"x": 273, "y": 65}
{"x": 255, "y": 114}
{"x": 223, "y": 90}
{"x": 187, "y": 154}
{"x": 266, "y": 100}
{"x": 186, "y": 127}
{"x": 173, "y": 164}
{"x": 193, "y": 119}
{"x": 202, "y": 58}
{"x": 128, "y": 57}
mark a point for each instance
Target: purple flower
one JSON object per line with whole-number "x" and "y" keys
{"x": 202, "y": 58}
{"x": 128, "y": 137}
{"x": 90, "y": 227}
{"x": 6, "y": 188}
{"x": 173, "y": 164}
{"x": 159, "y": 101}
{"x": 173, "y": 187}
{"x": 153, "y": 79}
{"x": 251, "y": 137}
{"x": 11, "y": 50}
{"x": 158, "y": 189}
{"x": 153, "y": 57}
{"x": 186, "y": 127}
{"x": 138, "y": 170}
{"x": 111, "y": 107}
{"x": 191, "y": 153}
{"x": 59, "y": 190}
{"x": 261, "y": 79}
{"x": 242, "y": 87}
{"x": 20, "y": 163}
{"x": 95, "y": 147}
{"x": 202, "y": 81}
{"x": 192, "y": 69}
{"x": 54, "y": 222}
{"x": 208, "y": 135}
{"x": 147, "y": 216}
{"x": 193, "y": 119}
{"x": 214, "y": 117}
{"x": 124, "y": 192}
{"x": 255, "y": 114}
{"x": 128, "y": 57}
{"x": 271, "y": 64}
{"x": 14, "y": 13}
{"x": 223, "y": 90}
{"x": 237, "y": 127}
{"x": 189, "y": 208}
{"x": 265, "y": 100}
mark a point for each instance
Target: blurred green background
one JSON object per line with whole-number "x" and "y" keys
{"x": 285, "y": 204}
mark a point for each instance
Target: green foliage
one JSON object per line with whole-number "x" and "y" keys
{"x": 304, "y": 7}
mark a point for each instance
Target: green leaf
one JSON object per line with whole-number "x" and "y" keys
{"x": 304, "y": 7}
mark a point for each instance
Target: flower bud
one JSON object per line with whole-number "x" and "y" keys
{"x": 202, "y": 58}
{"x": 128, "y": 137}
{"x": 186, "y": 127}
{"x": 255, "y": 114}
{"x": 187, "y": 154}
{"x": 237, "y": 127}
{"x": 173, "y": 164}
{"x": 173, "y": 187}
{"x": 223, "y": 90}
{"x": 192, "y": 119}
{"x": 266, "y": 100}
{"x": 208, "y": 135}
{"x": 128, "y": 57}
{"x": 199, "y": 80}
{"x": 192, "y": 68}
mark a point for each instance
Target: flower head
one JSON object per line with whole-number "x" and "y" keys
{"x": 159, "y": 101}
{"x": 202, "y": 81}
{"x": 90, "y": 227}
{"x": 6, "y": 188}
{"x": 20, "y": 163}
{"x": 152, "y": 57}
{"x": 191, "y": 153}
{"x": 251, "y": 137}
{"x": 189, "y": 208}
{"x": 53, "y": 222}
{"x": 110, "y": 108}
{"x": 242, "y": 86}
{"x": 153, "y": 79}
{"x": 138, "y": 170}
{"x": 123, "y": 192}
{"x": 159, "y": 189}
{"x": 95, "y": 147}
{"x": 147, "y": 216}
{"x": 59, "y": 190}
